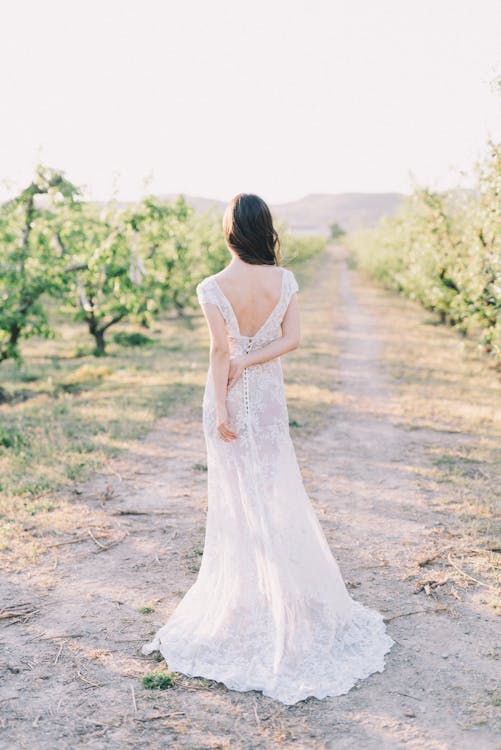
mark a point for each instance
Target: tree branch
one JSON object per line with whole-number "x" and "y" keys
{"x": 112, "y": 322}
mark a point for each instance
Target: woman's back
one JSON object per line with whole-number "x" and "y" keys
{"x": 253, "y": 292}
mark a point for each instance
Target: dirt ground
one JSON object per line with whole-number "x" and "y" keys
{"x": 410, "y": 527}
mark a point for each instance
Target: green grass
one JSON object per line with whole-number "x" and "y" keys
{"x": 136, "y": 338}
{"x": 159, "y": 680}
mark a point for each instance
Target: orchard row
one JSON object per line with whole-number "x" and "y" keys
{"x": 103, "y": 264}
{"x": 443, "y": 249}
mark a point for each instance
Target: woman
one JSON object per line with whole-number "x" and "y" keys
{"x": 269, "y": 610}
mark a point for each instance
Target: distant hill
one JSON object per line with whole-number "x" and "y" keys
{"x": 197, "y": 202}
{"x": 314, "y": 213}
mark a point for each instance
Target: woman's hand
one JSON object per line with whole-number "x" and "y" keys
{"x": 237, "y": 366}
{"x": 223, "y": 427}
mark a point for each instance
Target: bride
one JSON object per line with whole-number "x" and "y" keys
{"x": 269, "y": 610}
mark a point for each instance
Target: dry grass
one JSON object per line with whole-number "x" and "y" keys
{"x": 70, "y": 414}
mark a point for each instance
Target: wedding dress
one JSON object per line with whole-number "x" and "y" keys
{"x": 269, "y": 610}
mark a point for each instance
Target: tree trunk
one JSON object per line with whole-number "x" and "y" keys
{"x": 100, "y": 349}
{"x": 98, "y": 333}
{"x": 15, "y": 332}
{"x": 10, "y": 349}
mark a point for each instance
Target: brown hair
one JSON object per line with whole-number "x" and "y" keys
{"x": 249, "y": 231}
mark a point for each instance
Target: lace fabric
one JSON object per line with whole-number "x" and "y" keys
{"x": 269, "y": 609}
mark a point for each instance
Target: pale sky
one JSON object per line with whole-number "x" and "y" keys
{"x": 277, "y": 97}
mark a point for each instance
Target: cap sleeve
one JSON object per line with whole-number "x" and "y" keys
{"x": 206, "y": 292}
{"x": 292, "y": 283}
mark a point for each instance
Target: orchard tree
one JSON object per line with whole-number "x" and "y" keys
{"x": 30, "y": 260}
{"x": 184, "y": 246}
{"x": 129, "y": 263}
{"x": 479, "y": 272}
{"x": 208, "y": 251}
{"x": 181, "y": 247}
{"x": 103, "y": 273}
{"x": 444, "y": 251}
{"x": 160, "y": 236}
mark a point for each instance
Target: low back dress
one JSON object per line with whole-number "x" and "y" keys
{"x": 269, "y": 609}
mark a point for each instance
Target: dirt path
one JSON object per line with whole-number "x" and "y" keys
{"x": 71, "y": 663}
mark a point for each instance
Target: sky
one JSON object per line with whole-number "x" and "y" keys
{"x": 278, "y": 97}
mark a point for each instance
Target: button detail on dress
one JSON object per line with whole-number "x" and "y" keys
{"x": 246, "y": 379}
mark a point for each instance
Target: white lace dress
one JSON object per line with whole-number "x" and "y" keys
{"x": 269, "y": 609}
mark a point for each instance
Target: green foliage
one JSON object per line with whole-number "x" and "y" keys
{"x": 444, "y": 251}
{"x": 300, "y": 248}
{"x": 158, "y": 680}
{"x": 11, "y": 438}
{"x": 30, "y": 262}
{"x": 336, "y": 231}
{"x": 113, "y": 272}
{"x": 123, "y": 338}
{"x": 134, "y": 263}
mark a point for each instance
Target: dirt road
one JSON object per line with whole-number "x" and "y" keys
{"x": 71, "y": 662}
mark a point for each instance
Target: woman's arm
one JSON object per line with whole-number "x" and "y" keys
{"x": 288, "y": 341}
{"x": 220, "y": 364}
